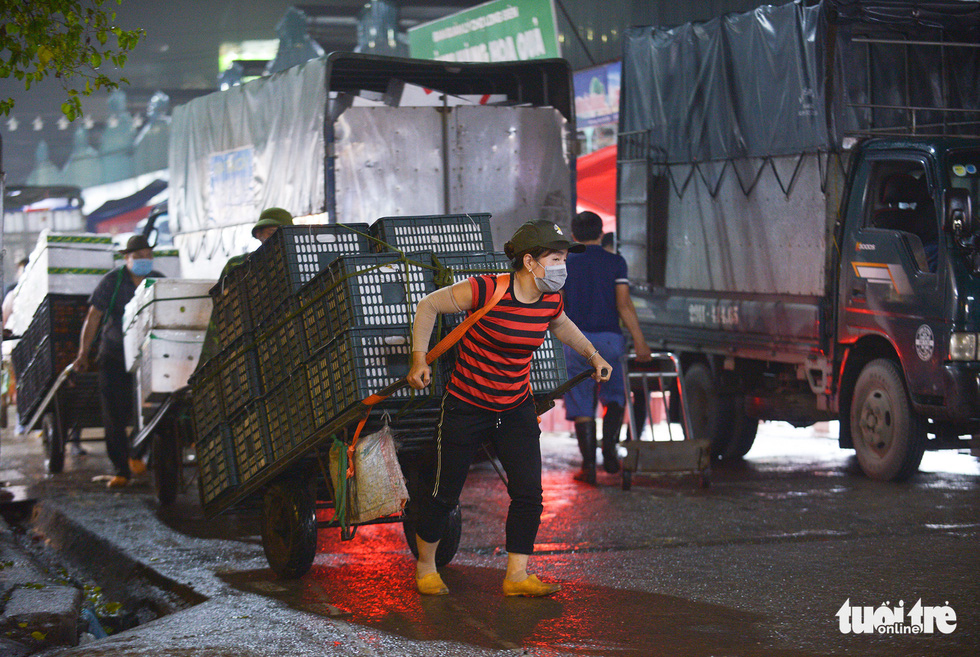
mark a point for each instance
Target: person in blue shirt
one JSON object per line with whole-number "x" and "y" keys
{"x": 597, "y": 298}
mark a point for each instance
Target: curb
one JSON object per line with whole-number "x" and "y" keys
{"x": 38, "y": 611}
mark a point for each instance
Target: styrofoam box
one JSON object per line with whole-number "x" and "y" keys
{"x": 166, "y": 361}
{"x": 164, "y": 303}
{"x": 61, "y": 263}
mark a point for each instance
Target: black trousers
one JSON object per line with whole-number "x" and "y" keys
{"x": 515, "y": 436}
{"x": 116, "y": 390}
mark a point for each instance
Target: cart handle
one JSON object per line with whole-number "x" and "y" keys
{"x": 43, "y": 406}
{"x": 546, "y": 402}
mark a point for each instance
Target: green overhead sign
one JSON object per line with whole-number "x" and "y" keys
{"x": 498, "y": 31}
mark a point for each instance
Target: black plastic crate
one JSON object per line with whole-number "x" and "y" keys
{"x": 231, "y": 313}
{"x": 59, "y": 318}
{"x": 321, "y": 371}
{"x": 37, "y": 379}
{"x": 206, "y": 398}
{"x": 361, "y": 291}
{"x": 301, "y": 424}
{"x": 216, "y": 464}
{"x": 465, "y": 265}
{"x": 240, "y": 381}
{"x": 315, "y": 313}
{"x": 364, "y": 361}
{"x": 548, "y": 366}
{"x": 278, "y": 408}
{"x": 441, "y": 234}
{"x": 281, "y": 344}
{"x": 295, "y": 254}
{"x": 250, "y": 440}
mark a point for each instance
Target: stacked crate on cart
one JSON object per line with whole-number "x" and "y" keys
{"x": 49, "y": 308}
{"x": 251, "y": 401}
{"x": 47, "y": 347}
{"x": 163, "y": 331}
{"x": 357, "y": 317}
{"x": 61, "y": 263}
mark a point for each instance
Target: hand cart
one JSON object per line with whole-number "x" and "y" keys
{"x": 671, "y": 456}
{"x": 70, "y": 405}
{"x": 168, "y": 426}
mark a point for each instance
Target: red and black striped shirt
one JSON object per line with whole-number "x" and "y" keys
{"x": 493, "y": 361}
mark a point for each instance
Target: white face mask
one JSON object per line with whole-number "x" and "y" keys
{"x": 553, "y": 279}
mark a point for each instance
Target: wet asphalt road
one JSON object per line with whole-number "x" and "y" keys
{"x": 758, "y": 564}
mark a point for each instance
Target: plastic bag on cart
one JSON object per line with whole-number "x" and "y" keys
{"x": 378, "y": 487}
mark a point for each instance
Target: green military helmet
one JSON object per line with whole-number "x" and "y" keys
{"x": 272, "y": 217}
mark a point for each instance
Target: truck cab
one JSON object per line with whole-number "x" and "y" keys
{"x": 908, "y": 298}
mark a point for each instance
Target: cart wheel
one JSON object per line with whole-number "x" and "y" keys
{"x": 627, "y": 479}
{"x": 165, "y": 457}
{"x": 449, "y": 542}
{"x": 289, "y": 527}
{"x": 54, "y": 444}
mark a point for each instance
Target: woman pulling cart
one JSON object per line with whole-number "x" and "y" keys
{"x": 488, "y": 397}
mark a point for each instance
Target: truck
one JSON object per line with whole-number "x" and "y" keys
{"x": 350, "y": 138}
{"x": 797, "y": 199}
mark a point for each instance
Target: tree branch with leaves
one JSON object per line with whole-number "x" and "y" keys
{"x": 70, "y": 40}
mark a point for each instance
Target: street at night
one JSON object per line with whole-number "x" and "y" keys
{"x": 759, "y": 563}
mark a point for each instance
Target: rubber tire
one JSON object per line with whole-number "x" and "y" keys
{"x": 743, "y": 435}
{"x": 710, "y": 414}
{"x": 627, "y": 479}
{"x": 889, "y": 436}
{"x": 54, "y": 444}
{"x": 289, "y": 527}
{"x": 448, "y": 544}
{"x": 166, "y": 459}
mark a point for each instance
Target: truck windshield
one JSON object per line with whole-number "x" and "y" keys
{"x": 964, "y": 173}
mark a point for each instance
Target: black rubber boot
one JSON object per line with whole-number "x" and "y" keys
{"x": 612, "y": 422}
{"x": 585, "y": 432}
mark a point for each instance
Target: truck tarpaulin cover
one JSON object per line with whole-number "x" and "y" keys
{"x": 226, "y": 150}
{"x": 752, "y": 84}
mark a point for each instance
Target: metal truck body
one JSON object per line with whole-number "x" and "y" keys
{"x": 795, "y": 194}
{"x": 341, "y": 140}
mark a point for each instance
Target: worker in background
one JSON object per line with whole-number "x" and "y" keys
{"x": 104, "y": 324}
{"x": 270, "y": 220}
{"x": 597, "y": 297}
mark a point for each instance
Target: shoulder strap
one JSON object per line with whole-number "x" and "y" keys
{"x": 454, "y": 336}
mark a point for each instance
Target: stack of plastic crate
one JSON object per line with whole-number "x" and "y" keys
{"x": 358, "y": 316}
{"x": 47, "y": 347}
{"x": 251, "y": 401}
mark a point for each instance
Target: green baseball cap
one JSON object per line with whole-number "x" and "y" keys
{"x": 543, "y": 233}
{"x": 272, "y": 217}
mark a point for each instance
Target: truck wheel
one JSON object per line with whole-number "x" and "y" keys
{"x": 743, "y": 432}
{"x": 289, "y": 527}
{"x": 54, "y": 443}
{"x": 889, "y": 436}
{"x": 449, "y": 542}
{"x": 710, "y": 414}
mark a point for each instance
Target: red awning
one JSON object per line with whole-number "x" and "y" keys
{"x": 596, "y": 188}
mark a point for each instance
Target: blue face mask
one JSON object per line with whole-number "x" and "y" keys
{"x": 142, "y": 267}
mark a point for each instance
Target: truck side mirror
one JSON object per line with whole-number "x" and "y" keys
{"x": 959, "y": 213}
